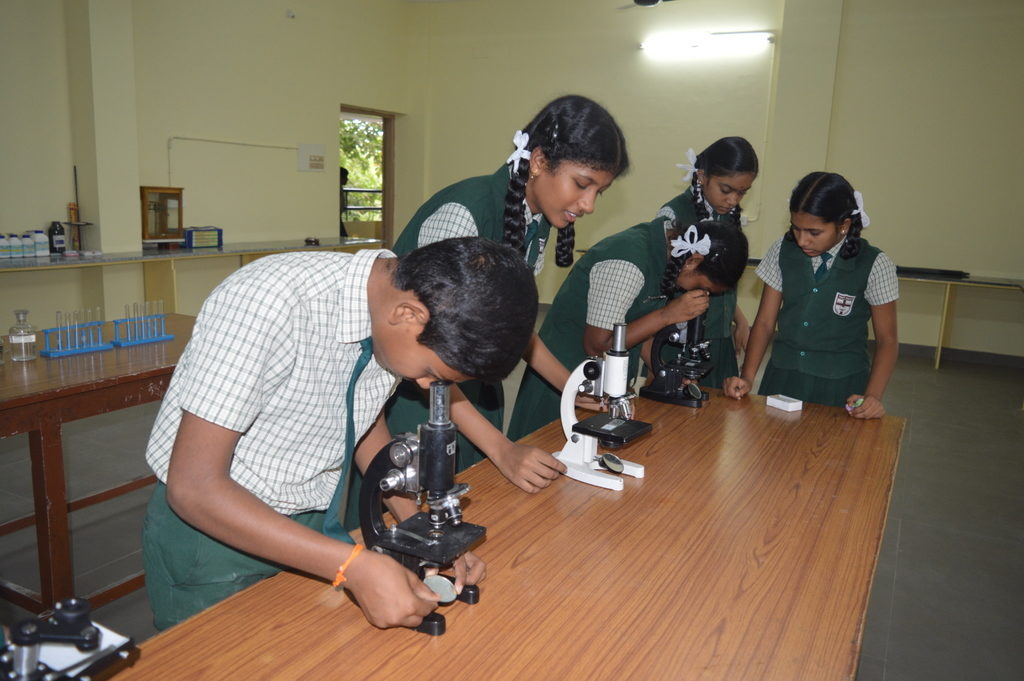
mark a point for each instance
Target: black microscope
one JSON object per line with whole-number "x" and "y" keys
{"x": 692, "y": 360}
{"x": 417, "y": 464}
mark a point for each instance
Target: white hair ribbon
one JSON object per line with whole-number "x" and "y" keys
{"x": 690, "y": 167}
{"x": 864, "y": 219}
{"x": 520, "y": 139}
{"x": 688, "y": 243}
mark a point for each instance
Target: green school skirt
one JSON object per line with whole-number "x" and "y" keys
{"x": 188, "y": 571}
{"x": 829, "y": 391}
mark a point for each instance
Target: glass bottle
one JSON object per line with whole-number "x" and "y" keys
{"x": 22, "y": 345}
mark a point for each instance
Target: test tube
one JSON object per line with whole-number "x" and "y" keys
{"x": 60, "y": 344}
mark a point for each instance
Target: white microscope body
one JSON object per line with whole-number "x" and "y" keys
{"x": 606, "y": 379}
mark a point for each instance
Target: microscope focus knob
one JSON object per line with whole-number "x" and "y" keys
{"x": 592, "y": 370}
{"x": 393, "y": 479}
{"x": 403, "y": 452}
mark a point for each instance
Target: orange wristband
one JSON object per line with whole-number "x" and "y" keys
{"x": 339, "y": 578}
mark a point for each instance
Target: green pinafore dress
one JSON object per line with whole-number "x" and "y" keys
{"x": 643, "y": 245}
{"x": 484, "y": 198}
{"x": 820, "y": 351}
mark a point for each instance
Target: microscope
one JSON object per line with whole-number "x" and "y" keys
{"x": 66, "y": 646}
{"x": 423, "y": 465}
{"x": 691, "y": 361}
{"x": 608, "y": 380}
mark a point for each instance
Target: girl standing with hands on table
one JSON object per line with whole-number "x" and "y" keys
{"x": 722, "y": 174}
{"x": 648, "y": 277}
{"x": 564, "y": 159}
{"x": 823, "y": 283}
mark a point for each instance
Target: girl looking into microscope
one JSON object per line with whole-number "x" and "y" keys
{"x": 721, "y": 176}
{"x": 823, "y": 283}
{"x": 564, "y": 159}
{"x": 647, "y": 276}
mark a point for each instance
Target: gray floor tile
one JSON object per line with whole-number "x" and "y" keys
{"x": 958, "y": 610}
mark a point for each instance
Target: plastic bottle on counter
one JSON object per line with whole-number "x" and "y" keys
{"x": 41, "y": 244}
{"x": 22, "y": 338}
{"x": 14, "y": 245}
{"x": 58, "y": 243}
{"x": 5, "y": 246}
{"x": 28, "y": 245}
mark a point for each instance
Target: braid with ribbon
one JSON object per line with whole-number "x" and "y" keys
{"x": 723, "y": 248}
{"x": 515, "y": 219}
{"x": 858, "y": 221}
{"x": 682, "y": 247}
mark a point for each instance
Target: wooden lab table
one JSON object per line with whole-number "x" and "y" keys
{"x": 36, "y": 397}
{"x": 747, "y": 552}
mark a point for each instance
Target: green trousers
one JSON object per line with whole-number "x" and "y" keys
{"x": 188, "y": 571}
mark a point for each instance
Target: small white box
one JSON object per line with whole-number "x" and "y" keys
{"x": 785, "y": 403}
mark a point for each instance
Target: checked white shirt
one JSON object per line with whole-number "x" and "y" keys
{"x": 270, "y": 357}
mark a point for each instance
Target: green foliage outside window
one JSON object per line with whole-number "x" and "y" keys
{"x": 361, "y": 147}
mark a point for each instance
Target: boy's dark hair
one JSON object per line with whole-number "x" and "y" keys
{"x": 725, "y": 157}
{"x": 830, "y": 197}
{"x": 724, "y": 262}
{"x": 572, "y": 128}
{"x": 482, "y": 301}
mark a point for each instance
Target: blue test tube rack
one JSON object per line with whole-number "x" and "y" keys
{"x": 139, "y": 330}
{"x": 73, "y": 339}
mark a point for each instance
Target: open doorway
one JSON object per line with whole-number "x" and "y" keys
{"x": 365, "y": 146}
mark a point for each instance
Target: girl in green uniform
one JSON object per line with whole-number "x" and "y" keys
{"x": 563, "y": 160}
{"x": 722, "y": 174}
{"x": 628, "y": 277}
{"x": 823, "y": 282}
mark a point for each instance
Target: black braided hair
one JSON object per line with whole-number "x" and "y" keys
{"x": 724, "y": 263}
{"x": 829, "y": 196}
{"x": 723, "y": 158}
{"x": 571, "y": 128}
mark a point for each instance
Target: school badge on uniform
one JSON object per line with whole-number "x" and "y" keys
{"x": 843, "y": 304}
{"x": 539, "y": 265}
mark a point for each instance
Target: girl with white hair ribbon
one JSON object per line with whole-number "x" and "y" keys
{"x": 642, "y": 276}
{"x": 823, "y": 284}
{"x": 561, "y": 161}
{"x": 719, "y": 178}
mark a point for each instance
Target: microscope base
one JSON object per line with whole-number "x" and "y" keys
{"x": 434, "y": 624}
{"x": 580, "y": 458}
{"x": 681, "y": 397}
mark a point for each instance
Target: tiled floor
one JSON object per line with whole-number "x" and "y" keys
{"x": 948, "y": 596}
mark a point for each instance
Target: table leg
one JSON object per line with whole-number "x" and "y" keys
{"x": 53, "y": 535}
{"x": 946, "y": 297}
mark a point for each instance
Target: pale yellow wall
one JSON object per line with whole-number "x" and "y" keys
{"x": 503, "y": 61}
{"x": 913, "y": 101}
{"x": 926, "y": 123}
{"x": 35, "y": 118}
{"x": 248, "y": 73}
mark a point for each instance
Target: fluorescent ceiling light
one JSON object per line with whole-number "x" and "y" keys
{"x": 707, "y": 45}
